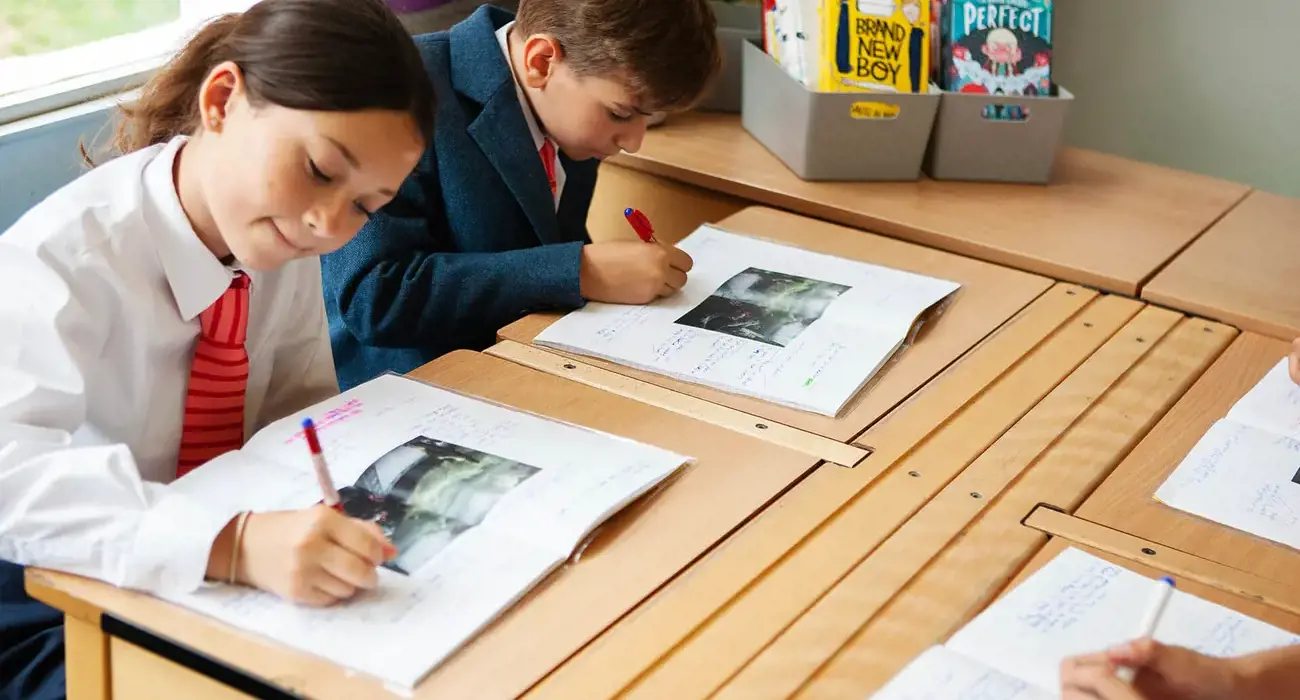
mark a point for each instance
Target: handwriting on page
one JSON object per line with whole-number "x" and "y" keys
{"x": 1269, "y": 503}
{"x": 1076, "y": 599}
{"x": 940, "y": 674}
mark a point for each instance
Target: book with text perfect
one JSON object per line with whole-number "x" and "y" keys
{"x": 762, "y": 319}
{"x": 1245, "y": 471}
{"x": 1076, "y": 604}
{"x": 481, "y": 501}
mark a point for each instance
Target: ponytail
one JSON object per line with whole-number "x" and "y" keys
{"x": 317, "y": 55}
{"x": 168, "y": 105}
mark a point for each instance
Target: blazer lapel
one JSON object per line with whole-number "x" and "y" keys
{"x": 480, "y": 72}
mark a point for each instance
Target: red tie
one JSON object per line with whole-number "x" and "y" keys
{"x": 214, "y": 401}
{"x": 547, "y": 153}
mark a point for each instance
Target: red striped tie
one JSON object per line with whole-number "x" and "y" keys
{"x": 214, "y": 400}
{"x": 547, "y": 152}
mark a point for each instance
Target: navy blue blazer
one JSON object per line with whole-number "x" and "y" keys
{"x": 473, "y": 240}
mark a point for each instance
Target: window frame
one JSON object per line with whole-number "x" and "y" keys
{"x": 128, "y": 59}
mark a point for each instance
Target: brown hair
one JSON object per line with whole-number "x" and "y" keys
{"x": 666, "y": 51}
{"x": 318, "y": 55}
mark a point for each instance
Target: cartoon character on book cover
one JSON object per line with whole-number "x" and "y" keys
{"x": 999, "y": 47}
{"x": 875, "y": 45}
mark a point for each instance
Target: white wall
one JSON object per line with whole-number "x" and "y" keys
{"x": 1203, "y": 85}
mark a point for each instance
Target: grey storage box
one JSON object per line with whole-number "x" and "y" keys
{"x": 854, "y": 136}
{"x": 970, "y": 144}
{"x": 738, "y": 23}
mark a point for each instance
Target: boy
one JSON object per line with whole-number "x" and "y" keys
{"x": 491, "y": 226}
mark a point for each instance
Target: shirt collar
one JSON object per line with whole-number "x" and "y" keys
{"x": 197, "y": 278}
{"x": 533, "y": 127}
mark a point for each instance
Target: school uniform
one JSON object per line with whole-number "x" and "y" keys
{"x": 130, "y": 354}
{"x": 476, "y": 237}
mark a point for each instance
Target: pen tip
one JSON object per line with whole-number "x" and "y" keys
{"x": 1169, "y": 580}
{"x": 627, "y": 212}
{"x": 306, "y": 422}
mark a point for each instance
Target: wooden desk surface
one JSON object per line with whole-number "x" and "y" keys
{"x": 632, "y": 555}
{"x": 1245, "y": 270}
{"x": 768, "y": 612}
{"x": 990, "y": 295}
{"x": 1105, "y": 221}
{"x": 1124, "y": 501}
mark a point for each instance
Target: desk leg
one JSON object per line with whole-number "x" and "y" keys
{"x": 86, "y": 648}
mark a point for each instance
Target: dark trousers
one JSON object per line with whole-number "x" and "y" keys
{"x": 31, "y": 642}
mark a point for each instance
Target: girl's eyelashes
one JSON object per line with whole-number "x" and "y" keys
{"x": 363, "y": 210}
{"x": 616, "y": 116}
{"x": 318, "y": 174}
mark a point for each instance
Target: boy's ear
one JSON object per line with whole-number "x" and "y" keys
{"x": 542, "y": 54}
{"x": 218, "y": 94}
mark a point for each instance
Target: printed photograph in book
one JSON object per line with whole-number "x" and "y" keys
{"x": 762, "y": 305}
{"x": 998, "y": 47}
{"x": 426, "y": 493}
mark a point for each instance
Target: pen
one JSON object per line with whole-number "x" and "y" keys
{"x": 318, "y": 462}
{"x": 640, "y": 224}
{"x": 1164, "y": 591}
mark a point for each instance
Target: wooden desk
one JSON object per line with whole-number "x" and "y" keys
{"x": 989, "y": 296}
{"x": 1124, "y": 501}
{"x": 953, "y": 472}
{"x": 1245, "y": 270}
{"x": 1105, "y": 221}
{"x": 633, "y": 554}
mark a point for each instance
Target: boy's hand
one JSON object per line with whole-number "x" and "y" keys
{"x": 1163, "y": 673}
{"x": 631, "y": 272}
{"x": 1295, "y": 360}
{"x": 314, "y": 557}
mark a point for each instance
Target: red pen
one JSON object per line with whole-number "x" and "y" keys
{"x": 640, "y": 224}
{"x": 318, "y": 462}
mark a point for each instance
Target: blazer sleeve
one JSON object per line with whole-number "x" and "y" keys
{"x": 396, "y": 285}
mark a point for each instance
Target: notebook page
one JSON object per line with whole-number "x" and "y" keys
{"x": 1080, "y": 604}
{"x": 761, "y": 319}
{"x": 480, "y": 500}
{"x": 942, "y": 674}
{"x": 1241, "y": 477}
{"x": 1273, "y": 404}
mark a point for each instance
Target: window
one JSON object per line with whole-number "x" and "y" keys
{"x": 55, "y": 53}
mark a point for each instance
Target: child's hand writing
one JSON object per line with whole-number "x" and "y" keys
{"x": 631, "y": 272}
{"x": 315, "y": 557}
{"x": 1163, "y": 673}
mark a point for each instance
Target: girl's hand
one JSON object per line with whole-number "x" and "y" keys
{"x": 314, "y": 557}
{"x": 1295, "y": 360}
{"x": 1163, "y": 673}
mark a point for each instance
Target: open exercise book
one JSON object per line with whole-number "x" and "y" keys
{"x": 1245, "y": 471}
{"x": 481, "y": 501}
{"x": 1076, "y": 604}
{"x": 766, "y": 320}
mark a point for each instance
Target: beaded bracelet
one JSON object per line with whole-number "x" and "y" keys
{"x": 234, "y": 551}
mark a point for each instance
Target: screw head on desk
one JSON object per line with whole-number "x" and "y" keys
{"x": 1087, "y": 324}
{"x": 1141, "y": 339}
{"x": 1148, "y": 551}
{"x": 975, "y": 494}
{"x": 761, "y": 426}
{"x": 914, "y": 474}
{"x": 570, "y": 366}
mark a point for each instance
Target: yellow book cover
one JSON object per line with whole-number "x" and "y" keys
{"x": 878, "y": 45}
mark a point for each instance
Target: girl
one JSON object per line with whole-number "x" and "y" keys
{"x": 168, "y": 303}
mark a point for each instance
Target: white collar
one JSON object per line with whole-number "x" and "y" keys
{"x": 533, "y": 128}
{"x": 197, "y": 278}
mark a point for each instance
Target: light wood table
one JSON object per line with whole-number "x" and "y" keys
{"x": 1245, "y": 270}
{"x": 1105, "y": 221}
{"x": 990, "y": 295}
{"x": 834, "y": 587}
{"x": 1123, "y": 504}
{"x": 133, "y": 646}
